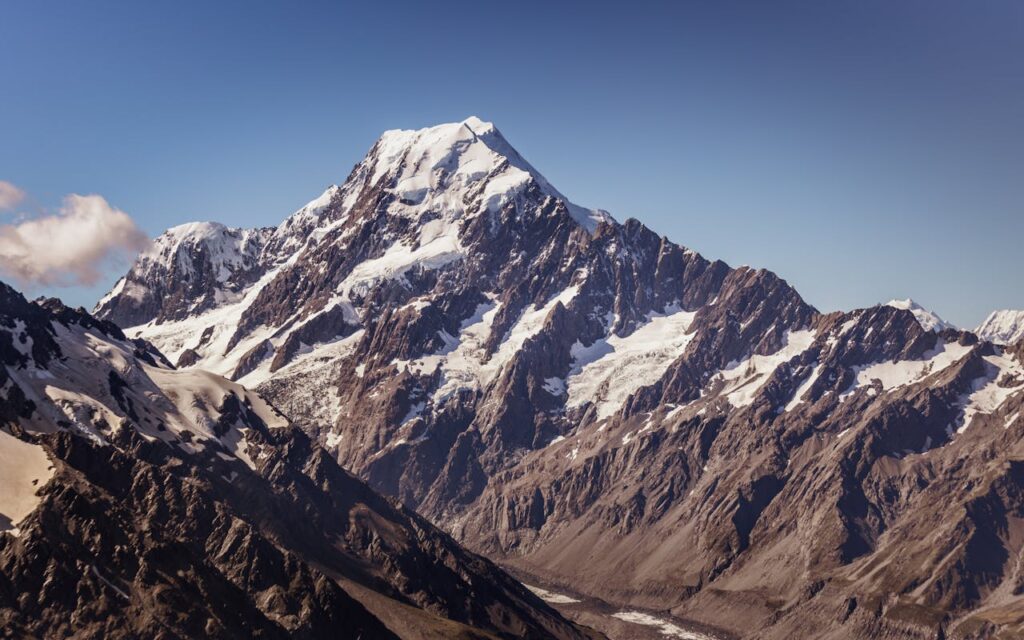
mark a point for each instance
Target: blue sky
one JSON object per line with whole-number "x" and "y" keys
{"x": 863, "y": 150}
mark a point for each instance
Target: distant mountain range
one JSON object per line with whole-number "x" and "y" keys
{"x": 581, "y": 400}
{"x": 1004, "y": 327}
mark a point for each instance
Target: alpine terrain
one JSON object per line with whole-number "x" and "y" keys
{"x": 144, "y": 501}
{"x": 588, "y": 404}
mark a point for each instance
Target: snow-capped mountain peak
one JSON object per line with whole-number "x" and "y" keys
{"x": 443, "y": 166}
{"x": 229, "y": 249}
{"x": 1005, "y": 326}
{"x": 204, "y": 260}
{"x": 420, "y": 203}
{"x": 928, "y": 319}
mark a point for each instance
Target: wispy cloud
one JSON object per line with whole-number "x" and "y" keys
{"x": 10, "y": 196}
{"x": 71, "y": 247}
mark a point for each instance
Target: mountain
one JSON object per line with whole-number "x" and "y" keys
{"x": 603, "y": 410}
{"x": 1002, "y": 327}
{"x": 144, "y": 501}
{"x": 190, "y": 269}
{"x": 929, "y": 320}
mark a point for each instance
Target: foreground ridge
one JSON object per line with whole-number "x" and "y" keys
{"x": 144, "y": 501}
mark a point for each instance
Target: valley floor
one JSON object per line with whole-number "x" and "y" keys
{"x": 618, "y": 623}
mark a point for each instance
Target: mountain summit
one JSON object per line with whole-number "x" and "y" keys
{"x": 424, "y": 188}
{"x": 431, "y": 165}
{"x": 1003, "y": 327}
{"x": 599, "y": 407}
{"x": 929, "y": 320}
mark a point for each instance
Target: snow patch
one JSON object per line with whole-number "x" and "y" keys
{"x": 438, "y": 246}
{"x": 551, "y": 596}
{"x": 900, "y": 373}
{"x": 665, "y": 627}
{"x": 804, "y": 387}
{"x": 24, "y": 469}
{"x": 743, "y": 380}
{"x": 611, "y": 369}
{"x": 1004, "y": 378}
{"x": 528, "y": 325}
{"x": 554, "y": 386}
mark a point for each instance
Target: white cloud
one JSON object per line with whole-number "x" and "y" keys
{"x": 71, "y": 247}
{"x": 10, "y": 196}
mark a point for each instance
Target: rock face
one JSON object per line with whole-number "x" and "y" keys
{"x": 143, "y": 501}
{"x": 602, "y": 408}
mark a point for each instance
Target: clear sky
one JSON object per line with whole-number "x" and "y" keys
{"x": 862, "y": 149}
